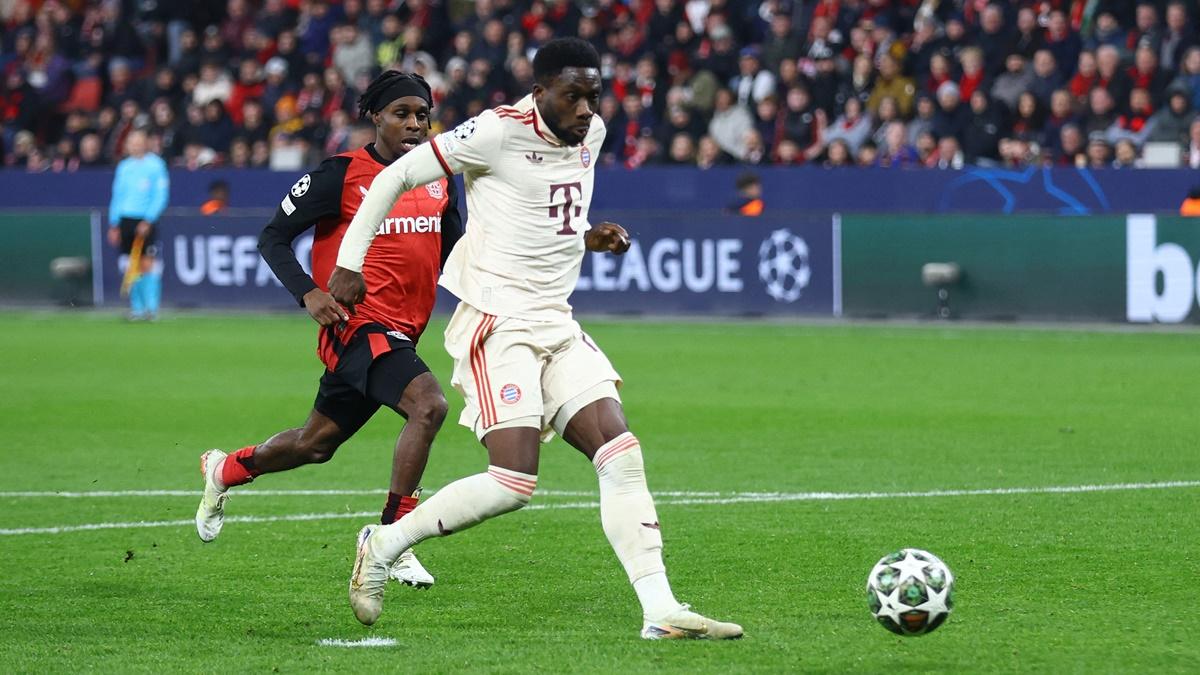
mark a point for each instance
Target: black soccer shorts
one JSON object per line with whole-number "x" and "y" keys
{"x": 362, "y": 382}
{"x": 128, "y": 227}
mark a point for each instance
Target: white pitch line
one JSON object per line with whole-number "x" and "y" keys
{"x": 365, "y": 642}
{"x": 297, "y": 493}
{"x": 748, "y": 497}
{"x": 180, "y": 493}
{"x": 735, "y": 498}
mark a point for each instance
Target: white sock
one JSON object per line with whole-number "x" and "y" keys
{"x": 631, "y": 524}
{"x": 654, "y": 592}
{"x": 461, "y": 504}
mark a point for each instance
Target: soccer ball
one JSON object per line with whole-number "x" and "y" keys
{"x": 909, "y": 591}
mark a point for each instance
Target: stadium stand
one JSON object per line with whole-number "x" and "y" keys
{"x": 890, "y": 83}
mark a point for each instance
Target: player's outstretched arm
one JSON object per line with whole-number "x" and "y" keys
{"x": 474, "y": 145}
{"x": 417, "y": 167}
{"x": 607, "y": 238}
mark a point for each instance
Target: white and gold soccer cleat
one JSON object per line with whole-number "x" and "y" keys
{"x": 410, "y": 572}
{"x": 367, "y": 579}
{"x": 210, "y": 515}
{"x": 684, "y": 624}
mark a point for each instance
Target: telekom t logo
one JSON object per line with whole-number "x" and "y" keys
{"x": 571, "y": 191}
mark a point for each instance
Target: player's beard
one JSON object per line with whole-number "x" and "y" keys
{"x": 561, "y": 134}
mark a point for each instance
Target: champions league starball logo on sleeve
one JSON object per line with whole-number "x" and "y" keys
{"x": 783, "y": 265}
{"x": 301, "y": 186}
{"x": 465, "y": 130}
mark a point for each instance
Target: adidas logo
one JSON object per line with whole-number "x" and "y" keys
{"x": 534, "y": 158}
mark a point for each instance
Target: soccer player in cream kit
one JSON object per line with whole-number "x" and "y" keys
{"x": 522, "y": 363}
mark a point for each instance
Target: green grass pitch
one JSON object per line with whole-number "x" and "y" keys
{"x": 1048, "y": 582}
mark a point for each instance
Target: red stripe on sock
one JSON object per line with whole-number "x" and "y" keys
{"x": 614, "y": 450}
{"x": 611, "y": 451}
{"x": 516, "y": 479}
{"x": 407, "y": 504}
{"x": 511, "y": 485}
{"x": 397, "y": 507}
{"x": 234, "y": 472}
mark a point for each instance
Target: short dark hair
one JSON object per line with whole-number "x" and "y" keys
{"x": 559, "y": 53}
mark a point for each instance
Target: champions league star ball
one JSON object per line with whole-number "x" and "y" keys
{"x": 909, "y": 592}
{"x": 783, "y": 265}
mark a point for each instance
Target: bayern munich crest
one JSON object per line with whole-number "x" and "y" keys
{"x": 510, "y": 393}
{"x": 435, "y": 189}
{"x": 585, "y": 156}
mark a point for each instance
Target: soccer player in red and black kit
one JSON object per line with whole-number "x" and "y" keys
{"x": 369, "y": 355}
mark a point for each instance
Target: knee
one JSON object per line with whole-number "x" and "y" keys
{"x": 430, "y": 411}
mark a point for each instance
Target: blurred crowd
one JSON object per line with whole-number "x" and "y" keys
{"x": 886, "y": 83}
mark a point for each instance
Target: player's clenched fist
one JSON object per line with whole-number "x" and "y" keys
{"x": 323, "y": 308}
{"x": 609, "y": 237}
{"x": 347, "y": 287}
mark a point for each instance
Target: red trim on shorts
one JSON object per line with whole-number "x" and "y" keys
{"x": 325, "y": 350}
{"x": 379, "y": 344}
{"x": 441, "y": 160}
{"x": 479, "y": 393}
{"x": 483, "y": 389}
{"x": 487, "y": 378}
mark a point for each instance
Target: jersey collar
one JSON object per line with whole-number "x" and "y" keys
{"x": 370, "y": 148}
{"x": 539, "y": 125}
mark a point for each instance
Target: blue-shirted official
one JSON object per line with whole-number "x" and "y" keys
{"x": 139, "y": 196}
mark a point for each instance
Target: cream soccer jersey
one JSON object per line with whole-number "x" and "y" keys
{"x": 519, "y": 356}
{"x": 527, "y": 201}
